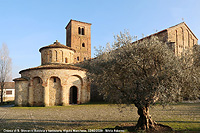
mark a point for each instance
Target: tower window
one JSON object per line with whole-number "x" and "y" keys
{"x": 77, "y": 58}
{"x": 81, "y": 31}
{"x": 65, "y": 60}
{"x": 56, "y": 56}
{"x": 54, "y": 80}
{"x": 83, "y": 44}
{"x": 84, "y": 58}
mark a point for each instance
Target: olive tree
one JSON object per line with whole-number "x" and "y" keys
{"x": 190, "y": 66}
{"x": 139, "y": 73}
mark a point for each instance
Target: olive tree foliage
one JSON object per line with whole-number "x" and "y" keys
{"x": 5, "y": 67}
{"x": 139, "y": 73}
{"x": 190, "y": 66}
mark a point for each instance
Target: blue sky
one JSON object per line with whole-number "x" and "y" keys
{"x": 27, "y": 25}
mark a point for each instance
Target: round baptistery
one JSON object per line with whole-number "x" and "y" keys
{"x": 57, "y": 53}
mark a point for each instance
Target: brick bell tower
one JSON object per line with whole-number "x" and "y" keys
{"x": 78, "y": 37}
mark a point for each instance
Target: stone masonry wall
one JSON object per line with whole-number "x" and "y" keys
{"x": 38, "y": 92}
{"x": 182, "y": 36}
{"x": 55, "y": 91}
{"x": 57, "y": 55}
{"x": 21, "y": 93}
{"x": 48, "y": 92}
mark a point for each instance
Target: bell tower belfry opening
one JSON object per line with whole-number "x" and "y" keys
{"x": 78, "y": 37}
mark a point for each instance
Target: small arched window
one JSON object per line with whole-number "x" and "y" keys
{"x": 83, "y": 44}
{"x": 65, "y": 60}
{"x": 56, "y": 55}
{"x": 50, "y": 55}
{"x": 62, "y": 55}
{"x": 77, "y": 58}
{"x": 83, "y": 31}
{"x": 79, "y": 30}
{"x": 45, "y": 56}
{"x": 193, "y": 42}
{"x": 84, "y": 58}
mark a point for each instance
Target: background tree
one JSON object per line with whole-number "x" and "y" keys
{"x": 5, "y": 67}
{"x": 139, "y": 73}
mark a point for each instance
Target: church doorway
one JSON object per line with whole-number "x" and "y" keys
{"x": 73, "y": 95}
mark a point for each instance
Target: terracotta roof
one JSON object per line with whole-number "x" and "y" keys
{"x": 151, "y": 35}
{"x": 76, "y": 21}
{"x": 166, "y": 30}
{"x": 9, "y": 85}
{"x": 57, "y": 45}
{"x": 20, "y": 79}
{"x": 55, "y": 66}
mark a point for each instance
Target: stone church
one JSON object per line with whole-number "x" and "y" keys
{"x": 57, "y": 81}
{"x": 179, "y": 37}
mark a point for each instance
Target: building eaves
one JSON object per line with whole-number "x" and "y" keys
{"x": 57, "y": 45}
{"x": 76, "y": 21}
{"x": 55, "y": 66}
{"x": 186, "y": 26}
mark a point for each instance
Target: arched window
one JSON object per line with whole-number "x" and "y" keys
{"x": 83, "y": 31}
{"x": 62, "y": 55}
{"x": 79, "y": 30}
{"x": 50, "y": 55}
{"x": 45, "y": 56}
{"x": 83, "y": 44}
{"x": 77, "y": 58}
{"x": 188, "y": 39}
{"x": 54, "y": 79}
{"x": 56, "y": 55}
{"x": 182, "y": 36}
{"x": 65, "y": 60}
{"x": 176, "y": 42}
{"x": 193, "y": 42}
{"x": 84, "y": 58}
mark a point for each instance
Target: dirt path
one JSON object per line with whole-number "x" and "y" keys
{"x": 90, "y": 116}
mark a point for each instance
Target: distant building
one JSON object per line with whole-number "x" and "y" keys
{"x": 180, "y": 37}
{"x": 57, "y": 81}
{"x": 9, "y": 91}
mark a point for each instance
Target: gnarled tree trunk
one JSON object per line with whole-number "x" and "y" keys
{"x": 145, "y": 121}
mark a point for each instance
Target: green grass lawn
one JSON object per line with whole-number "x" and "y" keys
{"x": 181, "y": 117}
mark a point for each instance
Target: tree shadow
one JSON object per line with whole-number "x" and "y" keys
{"x": 44, "y": 124}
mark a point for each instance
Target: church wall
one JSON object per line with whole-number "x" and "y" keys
{"x": 21, "y": 93}
{"x": 38, "y": 92}
{"x": 183, "y": 38}
{"x": 55, "y": 91}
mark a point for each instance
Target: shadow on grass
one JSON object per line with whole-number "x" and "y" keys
{"x": 36, "y": 120}
{"x": 77, "y": 124}
{"x": 179, "y": 121}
